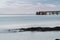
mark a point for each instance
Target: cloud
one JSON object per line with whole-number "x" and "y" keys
{"x": 15, "y": 7}
{"x": 32, "y": 8}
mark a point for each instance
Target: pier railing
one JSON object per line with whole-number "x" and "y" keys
{"x": 48, "y": 13}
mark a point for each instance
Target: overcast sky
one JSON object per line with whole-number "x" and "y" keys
{"x": 27, "y": 6}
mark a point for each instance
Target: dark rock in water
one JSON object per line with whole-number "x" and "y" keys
{"x": 42, "y": 29}
{"x": 57, "y": 39}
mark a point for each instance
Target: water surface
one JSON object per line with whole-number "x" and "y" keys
{"x": 18, "y": 21}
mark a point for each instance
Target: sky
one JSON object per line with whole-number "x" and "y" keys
{"x": 27, "y": 6}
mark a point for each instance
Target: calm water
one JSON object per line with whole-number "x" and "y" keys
{"x": 19, "y": 21}
{"x": 30, "y": 36}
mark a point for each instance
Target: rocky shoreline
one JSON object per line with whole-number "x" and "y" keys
{"x": 41, "y": 29}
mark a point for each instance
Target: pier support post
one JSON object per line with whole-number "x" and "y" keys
{"x": 48, "y": 13}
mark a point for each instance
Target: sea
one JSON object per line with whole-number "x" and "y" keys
{"x": 26, "y": 21}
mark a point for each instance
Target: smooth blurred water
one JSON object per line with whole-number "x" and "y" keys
{"x": 18, "y": 21}
{"x": 30, "y": 36}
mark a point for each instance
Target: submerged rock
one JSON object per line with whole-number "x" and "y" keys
{"x": 57, "y": 39}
